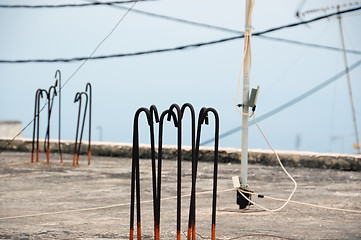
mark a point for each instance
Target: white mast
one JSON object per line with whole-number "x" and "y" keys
{"x": 245, "y": 106}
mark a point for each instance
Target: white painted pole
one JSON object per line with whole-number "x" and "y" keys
{"x": 245, "y": 108}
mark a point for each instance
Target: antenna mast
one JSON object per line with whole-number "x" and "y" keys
{"x": 245, "y": 105}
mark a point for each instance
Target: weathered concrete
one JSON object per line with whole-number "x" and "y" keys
{"x": 346, "y": 162}
{"x": 58, "y": 201}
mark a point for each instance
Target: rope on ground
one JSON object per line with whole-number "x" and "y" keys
{"x": 103, "y": 207}
{"x": 303, "y": 203}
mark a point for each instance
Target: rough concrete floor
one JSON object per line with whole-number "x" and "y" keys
{"x": 28, "y": 189}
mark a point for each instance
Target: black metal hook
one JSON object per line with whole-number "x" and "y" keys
{"x": 78, "y": 98}
{"x": 59, "y": 132}
{"x": 159, "y": 177}
{"x": 154, "y": 115}
{"x": 50, "y": 99}
{"x": 203, "y": 118}
{"x": 90, "y": 118}
{"x": 179, "y": 163}
{"x": 135, "y": 179}
{"x": 193, "y": 136}
{"x": 38, "y": 95}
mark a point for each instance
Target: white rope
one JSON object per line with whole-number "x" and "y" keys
{"x": 104, "y": 207}
{"x": 284, "y": 169}
{"x": 303, "y": 203}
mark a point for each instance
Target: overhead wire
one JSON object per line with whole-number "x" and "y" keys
{"x": 184, "y": 47}
{"x": 91, "y": 4}
{"x": 117, "y": 3}
{"x": 224, "y": 29}
{"x": 289, "y": 103}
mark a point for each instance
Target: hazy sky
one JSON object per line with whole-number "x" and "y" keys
{"x": 205, "y": 76}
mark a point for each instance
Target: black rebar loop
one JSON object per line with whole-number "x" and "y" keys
{"x": 38, "y": 96}
{"x": 78, "y": 98}
{"x": 50, "y": 95}
{"x": 153, "y": 115}
{"x": 177, "y": 109}
{"x": 203, "y": 119}
{"x": 88, "y": 85}
{"x": 58, "y": 79}
{"x": 135, "y": 179}
{"x": 170, "y": 114}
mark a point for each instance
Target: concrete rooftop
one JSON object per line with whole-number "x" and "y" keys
{"x": 59, "y": 201}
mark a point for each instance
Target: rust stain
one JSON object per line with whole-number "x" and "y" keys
{"x": 178, "y": 235}
{"x": 74, "y": 159}
{"x": 89, "y": 156}
{"x": 156, "y": 232}
{"x": 48, "y": 155}
{"x": 213, "y": 232}
{"x": 139, "y": 231}
{"x": 131, "y": 234}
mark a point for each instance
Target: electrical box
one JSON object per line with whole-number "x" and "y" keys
{"x": 253, "y": 97}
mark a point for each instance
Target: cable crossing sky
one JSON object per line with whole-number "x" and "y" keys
{"x": 184, "y": 47}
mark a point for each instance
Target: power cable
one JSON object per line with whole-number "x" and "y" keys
{"x": 310, "y": 44}
{"x": 91, "y": 4}
{"x": 289, "y": 103}
{"x": 184, "y": 47}
{"x": 223, "y": 29}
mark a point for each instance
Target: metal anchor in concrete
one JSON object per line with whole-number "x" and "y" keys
{"x": 78, "y": 98}
{"x": 203, "y": 118}
{"x": 38, "y": 95}
{"x": 90, "y": 118}
{"x": 170, "y": 114}
{"x": 50, "y": 100}
{"x": 58, "y": 79}
{"x": 135, "y": 179}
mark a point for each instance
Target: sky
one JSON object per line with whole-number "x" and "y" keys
{"x": 205, "y": 76}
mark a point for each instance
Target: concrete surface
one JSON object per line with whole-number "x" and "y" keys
{"x": 58, "y": 201}
{"x": 348, "y": 162}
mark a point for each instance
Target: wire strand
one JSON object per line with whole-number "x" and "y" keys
{"x": 303, "y": 203}
{"x": 92, "y": 4}
{"x": 283, "y": 168}
{"x": 179, "y": 48}
{"x": 224, "y": 29}
{"x": 106, "y": 207}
